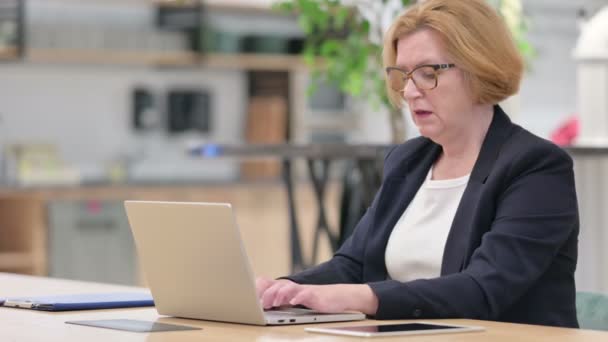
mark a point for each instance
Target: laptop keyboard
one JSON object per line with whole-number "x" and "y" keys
{"x": 289, "y": 312}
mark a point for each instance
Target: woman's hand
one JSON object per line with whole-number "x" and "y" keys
{"x": 262, "y": 284}
{"x": 322, "y": 298}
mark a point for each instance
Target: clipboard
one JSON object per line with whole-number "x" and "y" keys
{"x": 84, "y": 301}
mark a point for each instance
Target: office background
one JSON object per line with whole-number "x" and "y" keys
{"x": 101, "y": 100}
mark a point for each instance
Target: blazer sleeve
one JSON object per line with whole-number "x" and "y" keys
{"x": 535, "y": 215}
{"x": 346, "y": 266}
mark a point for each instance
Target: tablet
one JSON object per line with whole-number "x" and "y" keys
{"x": 415, "y": 328}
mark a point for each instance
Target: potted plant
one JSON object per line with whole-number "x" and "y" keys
{"x": 347, "y": 37}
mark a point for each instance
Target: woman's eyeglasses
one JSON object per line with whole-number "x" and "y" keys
{"x": 423, "y": 76}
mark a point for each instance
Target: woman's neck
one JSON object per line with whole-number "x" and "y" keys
{"x": 460, "y": 153}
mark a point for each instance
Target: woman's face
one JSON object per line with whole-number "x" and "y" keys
{"x": 445, "y": 112}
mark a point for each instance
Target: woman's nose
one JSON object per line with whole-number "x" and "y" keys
{"x": 411, "y": 90}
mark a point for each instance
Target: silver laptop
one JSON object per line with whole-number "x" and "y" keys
{"x": 196, "y": 266}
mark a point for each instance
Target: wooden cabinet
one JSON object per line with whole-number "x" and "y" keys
{"x": 29, "y": 217}
{"x": 22, "y": 234}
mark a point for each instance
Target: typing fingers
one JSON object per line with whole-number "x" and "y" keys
{"x": 306, "y": 297}
{"x": 285, "y": 293}
{"x": 262, "y": 284}
{"x": 268, "y": 297}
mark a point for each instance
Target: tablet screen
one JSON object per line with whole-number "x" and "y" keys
{"x": 395, "y": 329}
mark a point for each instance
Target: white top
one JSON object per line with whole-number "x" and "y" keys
{"x": 415, "y": 247}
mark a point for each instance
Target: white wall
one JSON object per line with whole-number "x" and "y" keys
{"x": 86, "y": 112}
{"x": 548, "y": 92}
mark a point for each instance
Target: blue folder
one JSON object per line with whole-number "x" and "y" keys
{"x": 85, "y": 301}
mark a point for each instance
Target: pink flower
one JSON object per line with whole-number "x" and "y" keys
{"x": 567, "y": 132}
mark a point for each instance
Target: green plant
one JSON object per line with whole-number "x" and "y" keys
{"x": 512, "y": 12}
{"x": 337, "y": 35}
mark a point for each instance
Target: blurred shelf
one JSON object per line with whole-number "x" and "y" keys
{"x": 332, "y": 125}
{"x": 255, "y": 61}
{"x": 241, "y": 5}
{"x": 247, "y": 5}
{"x": 249, "y": 61}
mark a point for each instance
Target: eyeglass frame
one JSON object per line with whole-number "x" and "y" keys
{"x": 408, "y": 75}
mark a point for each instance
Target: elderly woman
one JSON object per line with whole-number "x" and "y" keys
{"x": 477, "y": 218}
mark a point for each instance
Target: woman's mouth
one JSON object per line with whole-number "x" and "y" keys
{"x": 422, "y": 113}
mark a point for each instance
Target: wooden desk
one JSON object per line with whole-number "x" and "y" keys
{"x": 28, "y": 325}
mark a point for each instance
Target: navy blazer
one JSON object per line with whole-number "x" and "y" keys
{"x": 512, "y": 248}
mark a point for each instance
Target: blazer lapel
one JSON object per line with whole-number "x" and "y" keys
{"x": 397, "y": 193}
{"x": 456, "y": 245}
